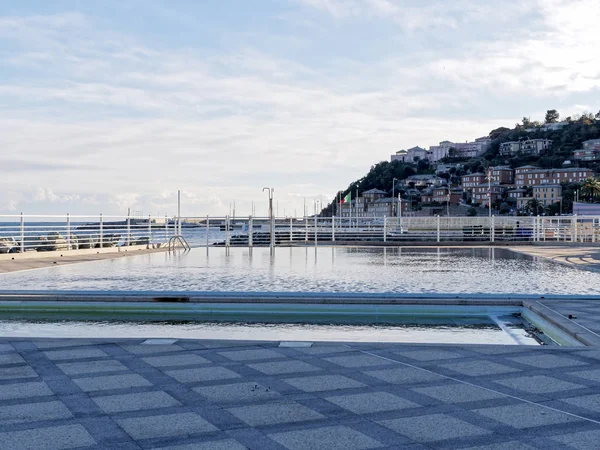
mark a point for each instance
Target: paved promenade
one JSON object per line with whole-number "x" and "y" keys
{"x": 230, "y": 395}
{"x": 582, "y": 257}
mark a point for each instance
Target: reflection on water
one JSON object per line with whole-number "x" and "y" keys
{"x": 455, "y": 334}
{"x": 325, "y": 269}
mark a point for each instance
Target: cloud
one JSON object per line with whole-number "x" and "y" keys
{"x": 123, "y": 121}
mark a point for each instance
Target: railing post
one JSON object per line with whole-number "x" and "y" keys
{"x": 316, "y": 224}
{"x": 291, "y": 230}
{"x": 207, "y": 229}
{"x": 384, "y": 228}
{"x": 22, "y": 233}
{"x": 128, "y": 230}
{"x": 149, "y": 230}
{"x": 101, "y": 231}
{"x": 68, "y": 232}
{"x": 574, "y": 228}
{"x": 492, "y": 229}
{"x": 166, "y": 228}
{"x": 332, "y": 228}
{"x": 227, "y": 236}
{"x": 438, "y": 228}
{"x": 250, "y": 231}
{"x": 305, "y": 229}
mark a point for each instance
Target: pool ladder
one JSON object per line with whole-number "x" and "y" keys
{"x": 173, "y": 241}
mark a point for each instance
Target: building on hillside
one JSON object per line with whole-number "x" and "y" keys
{"x": 547, "y": 194}
{"x": 472, "y": 180}
{"x": 501, "y": 174}
{"x": 423, "y": 180}
{"x": 411, "y": 155}
{"x": 513, "y": 194}
{"x": 483, "y": 193}
{"x": 445, "y": 168}
{"x": 539, "y": 176}
{"x": 590, "y": 151}
{"x": 528, "y": 147}
{"x": 520, "y": 174}
{"x": 372, "y": 203}
{"x": 437, "y": 152}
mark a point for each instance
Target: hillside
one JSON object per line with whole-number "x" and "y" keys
{"x": 565, "y": 140}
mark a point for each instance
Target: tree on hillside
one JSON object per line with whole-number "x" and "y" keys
{"x": 497, "y": 132}
{"x": 551, "y": 116}
{"x": 591, "y": 189}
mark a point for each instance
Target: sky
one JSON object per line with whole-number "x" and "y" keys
{"x": 118, "y": 104}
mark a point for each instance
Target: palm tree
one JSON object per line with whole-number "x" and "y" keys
{"x": 591, "y": 188}
{"x": 533, "y": 206}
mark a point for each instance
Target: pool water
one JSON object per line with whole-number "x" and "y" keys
{"x": 485, "y": 332}
{"x": 323, "y": 269}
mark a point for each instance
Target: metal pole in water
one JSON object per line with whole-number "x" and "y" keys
{"x": 166, "y": 227}
{"x": 178, "y": 212}
{"x": 207, "y": 228}
{"x": 68, "y": 232}
{"x": 22, "y": 234}
{"x": 101, "y": 230}
{"x": 438, "y": 228}
{"x": 227, "y": 237}
{"x": 291, "y": 230}
{"x": 149, "y": 231}
{"x": 492, "y": 231}
{"x": 384, "y": 228}
{"x": 305, "y": 229}
{"x": 128, "y": 228}
{"x": 333, "y": 229}
{"x": 250, "y": 231}
{"x": 315, "y": 230}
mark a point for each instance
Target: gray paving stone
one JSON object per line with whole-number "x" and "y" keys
{"x": 538, "y": 384}
{"x": 11, "y": 373}
{"x": 24, "y": 390}
{"x": 274, "y": 413}
{"x": 430, "y": 355}
{"x": 591, "y": 402}
{"x": 11, "y": 358}
{"x": 185, "y": 359}
{"x": 253, "y": 354}
{"x": 32, "y": 412}
{"x": 458, "y": 393}
{"x": 49, "y": 438}
{"x": 593, "y": 375}
{"x": 6, "y": 347}
{"x": 111, "y": 382}
{"x": 525, "y": 416}
{"x": 479, "y": 368}
{"x": 548, "y": 361}
{"x": 360, "y": 360}
{"x": 151, "y": 349}
{"x": 324, "y": 349}
{"x": 180, "y": 424}
{"x": 75, "y": 353}
{"x": 78, "y": 368}
{"x": 371, "y": 402}
{"x": 52, "y": 343}
{"x": 583, "y": 440}
{"x": 433, "y": 427}
{"x": 236, "y": 392}
{"x": 284, "y": 367}
{"x": 404, "y": 375}
{"x": 319, "y": 383}
{"x": 511, "y": 445}
{"x": 330, "y": 438}
{"x": 499, "y": 349}
{"x": 135, "y": 402}
{"x": 202, "y": 374}
{"x": 226, "y": 444}
{"x": 159, "y": 341}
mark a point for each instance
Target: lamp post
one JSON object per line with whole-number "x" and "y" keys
{"x": 270, "y": 192}
{"x": 356, "y": 206}
{"x": 393, "y": 196}
{"x": 400, "y": 211}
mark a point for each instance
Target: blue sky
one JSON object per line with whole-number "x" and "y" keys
{"x": 116, "y": 104}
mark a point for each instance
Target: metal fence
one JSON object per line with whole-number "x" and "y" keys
{"x": 22, "y": 233}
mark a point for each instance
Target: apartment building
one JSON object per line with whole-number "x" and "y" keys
{"x": 528, "y": 147}
{"x": 410, "y": 155}
{"x": 539, "y": 176}
{"x": 520, "y": 174}
{"x": 472, "y": 180}
{"x": 590, "y": 151}
{"x": 502, "y": 175}
{"x": 547, "y": 194}
{"x": 483, "y": 193}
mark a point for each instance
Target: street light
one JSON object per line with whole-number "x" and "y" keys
{"x": 270, "y": 192}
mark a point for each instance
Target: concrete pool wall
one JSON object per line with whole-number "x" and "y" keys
{"x": 290, "y": 307}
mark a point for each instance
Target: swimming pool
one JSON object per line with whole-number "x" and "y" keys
{"x": 309, "y": 269}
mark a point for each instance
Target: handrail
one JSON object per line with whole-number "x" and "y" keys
{"x": 178, "y": 238}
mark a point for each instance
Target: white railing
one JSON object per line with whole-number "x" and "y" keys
{"x": 22, "y": 233}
